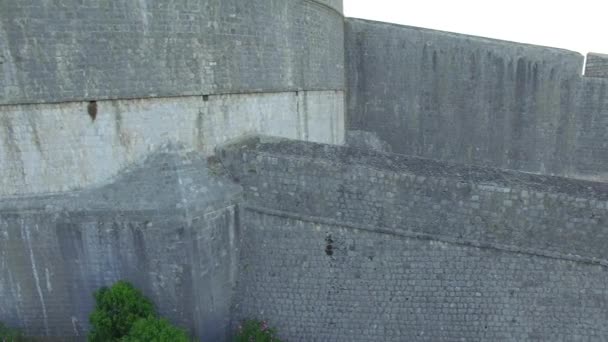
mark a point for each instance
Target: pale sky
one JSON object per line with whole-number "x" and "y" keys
{"x": 580, "y": 26}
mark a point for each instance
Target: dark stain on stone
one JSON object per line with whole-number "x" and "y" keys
{"x": 205, "y": 98}
{"x": 92, "y": 110}
{"x": 139, "y": 244}
{"x": 329, "y": 248}
{"x": 70, "y": 240}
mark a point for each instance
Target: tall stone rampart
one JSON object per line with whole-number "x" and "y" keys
{"x": 473, "y": 100}
{"x": 96, "y": 50}
{"x": 91, "y": 95}
{"x": 88, "y": 88}
{"x": 114, "y": 120}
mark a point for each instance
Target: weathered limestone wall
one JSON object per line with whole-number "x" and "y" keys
{"x": 469, "y": 99}
{"x": 88, "y": 88}
{"x": 382, "y": 287}
{"x": 93, "y": 50}
{"x": 343, "y": 244}
{"x": 591, "y": 130}
{"x": 91, "y": 91}
{"x": 167, "y": 225}
{"x": 58, "y": 147}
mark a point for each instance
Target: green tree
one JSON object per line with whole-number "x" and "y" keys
{"x": 116, "y": 310}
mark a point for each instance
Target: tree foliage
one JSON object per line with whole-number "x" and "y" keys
{"x": 117, "y": 309}
{"x": 10, "y": 335}
{"x": 155, "y": 330}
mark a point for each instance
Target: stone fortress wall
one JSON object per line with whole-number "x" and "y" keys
{"x": 118, "y": 160}
{"x": 195, "y": 72}
{"x": 475, "y": 100}
{"x": 97, "y": 97}
{"x": 167, "y": 225}
{"x": 342, "y": 244}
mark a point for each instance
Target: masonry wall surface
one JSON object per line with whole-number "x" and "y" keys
{"x": 59, "y": 147}
{"x": 596, "y": 65}
{"x": 591, "y": 155}
{"x": 89, "y": 88}
{"x": 384, "y": 246}
{"x": 93, "y": 50}
{"x": 167, "y": 225}
{"x": 468, "y": 99}
{"x": 381, "y": 287}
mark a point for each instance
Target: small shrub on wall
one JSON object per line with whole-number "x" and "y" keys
{"x": 256, "y": 331}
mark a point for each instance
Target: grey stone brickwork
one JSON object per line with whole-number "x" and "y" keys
{"x": 511, "y": 210}
{"x": 90, "y": 50}
{"x": 342, "y": 244}
{"x": 596, "y": 65}
{"x": 190, "y": 72}
{"x": 167, "y": 225}
{"x": 591, "y": 157}
{"x": 383, "y": 287}
{"x": 469, "y": 99}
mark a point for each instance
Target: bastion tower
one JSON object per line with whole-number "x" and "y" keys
{"x": 90, "y": 90}
{"x": 345, "y": 179}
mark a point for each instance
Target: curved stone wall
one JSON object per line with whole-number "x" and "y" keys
{"x": 88, "y": 88}
{"x": 91, "y": 50}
